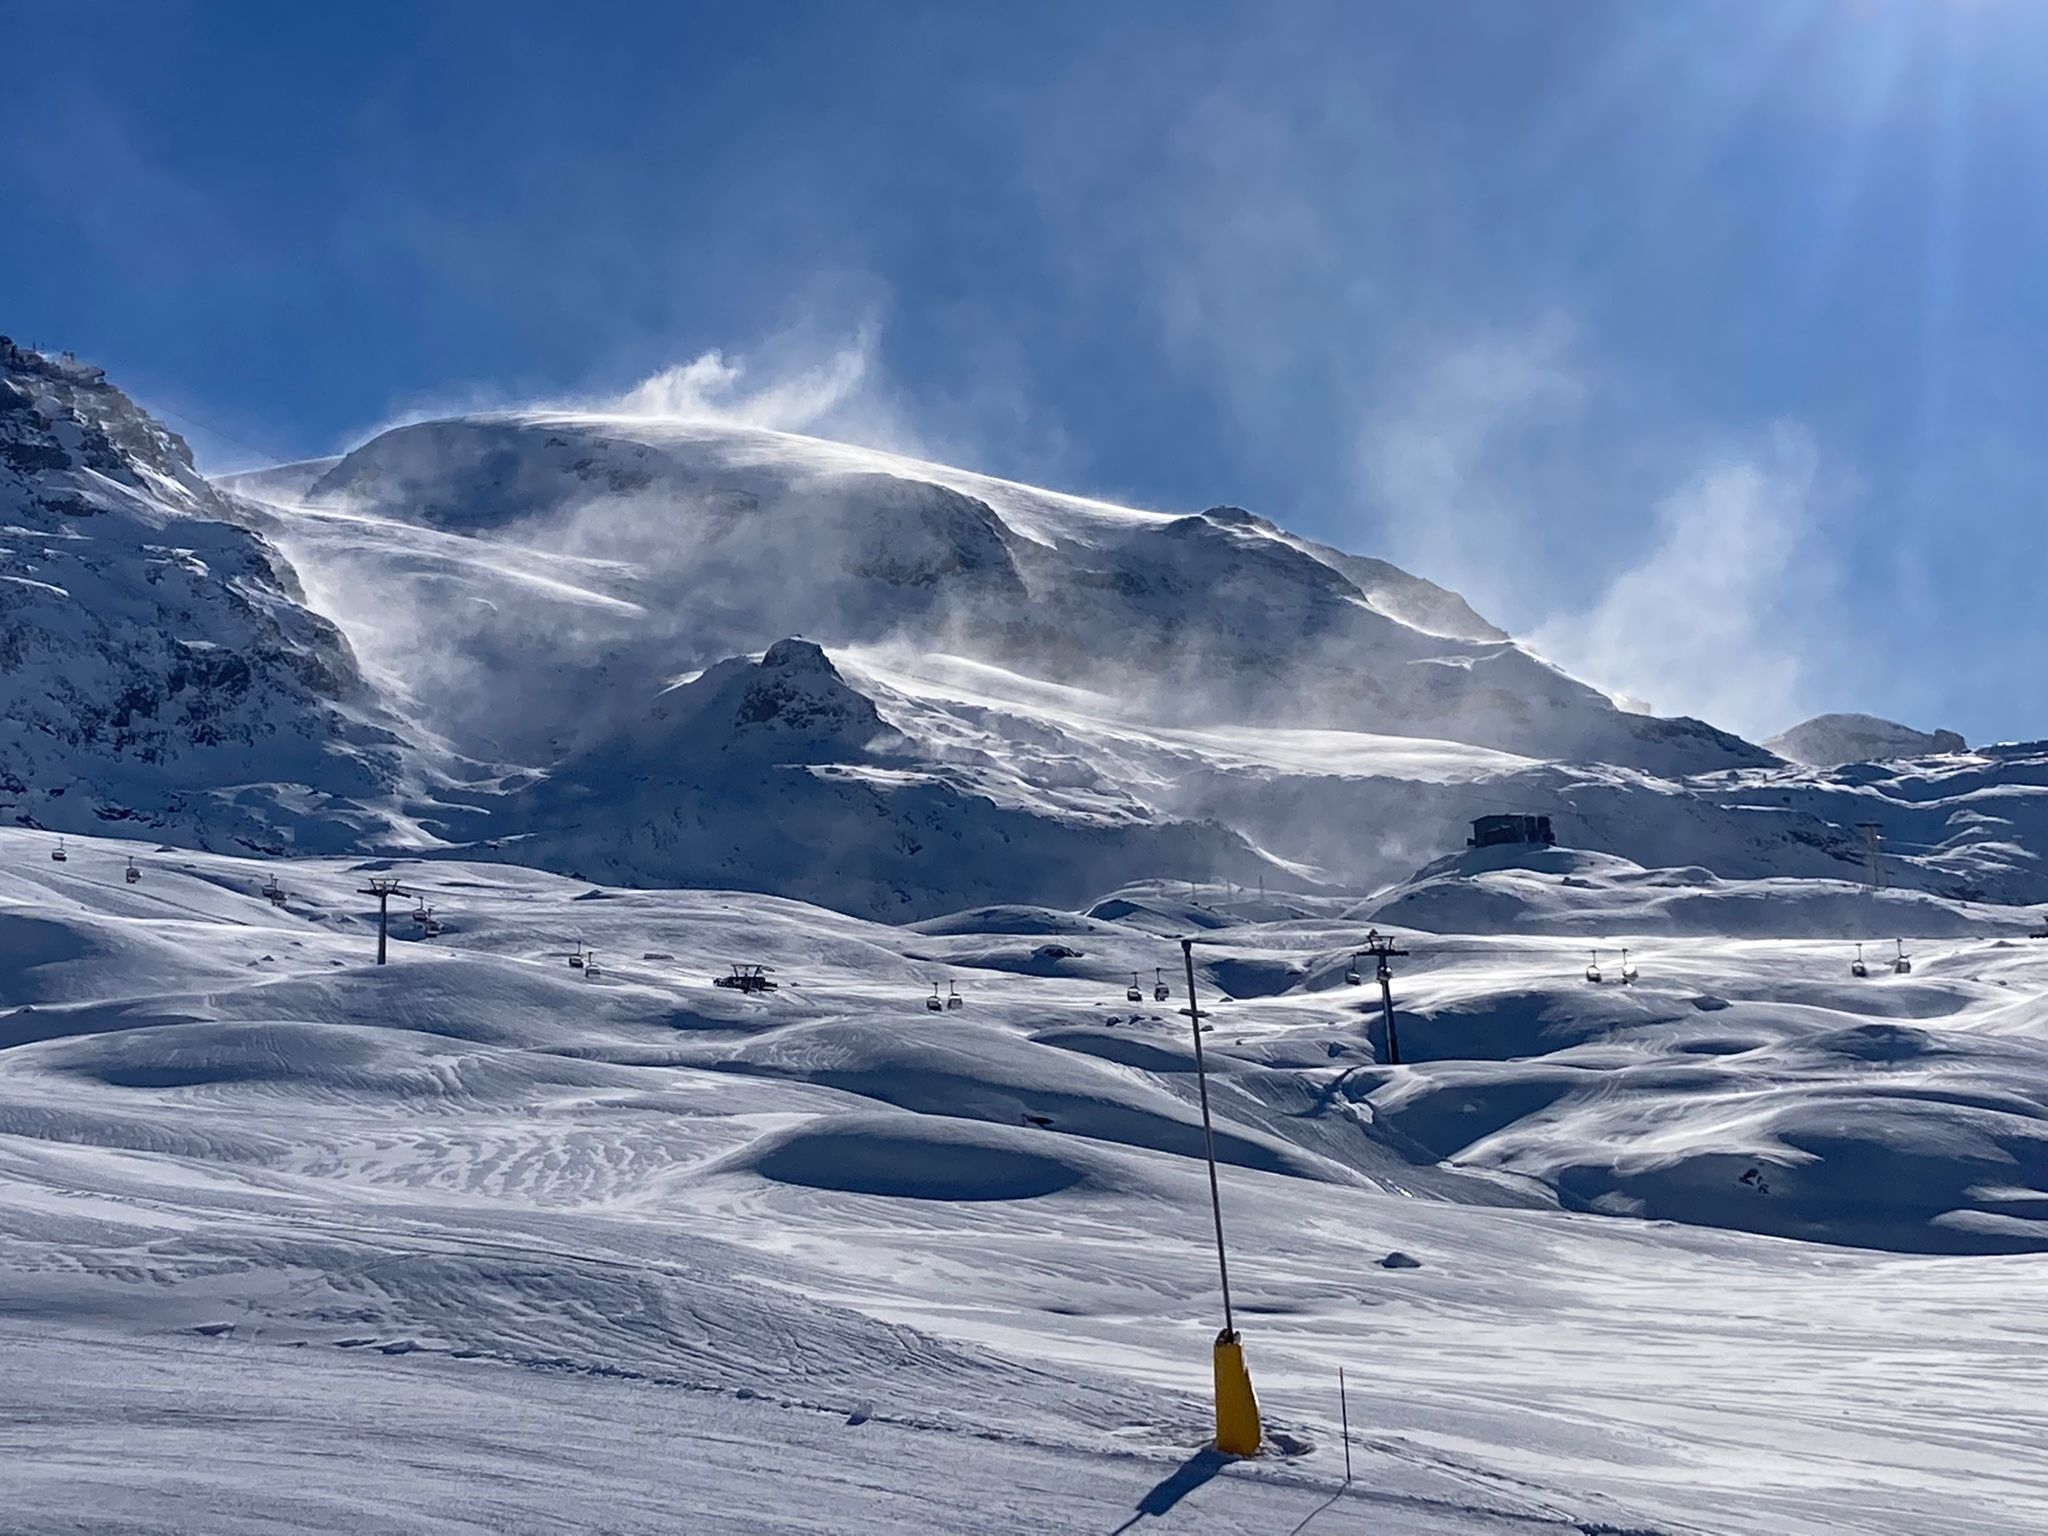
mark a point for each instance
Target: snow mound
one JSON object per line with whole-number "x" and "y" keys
{"x": 1009, "y": 918}
{"x": 913, "y": 1157}
{"x": 1828, "y": 741}
{"x": 1573, "y": 891}
{"x": 972, "y": 1071}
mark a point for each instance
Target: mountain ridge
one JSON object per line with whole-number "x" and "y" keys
{"x": 686, "y": 653}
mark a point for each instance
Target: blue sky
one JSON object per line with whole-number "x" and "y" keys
{"x": 1698, "y": 343}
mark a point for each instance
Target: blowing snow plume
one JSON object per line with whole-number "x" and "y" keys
{"x": 1084, "y": 693}
{"x": 1714, "y": 613}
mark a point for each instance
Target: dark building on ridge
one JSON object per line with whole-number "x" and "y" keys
{"x": 1496, "y": 831}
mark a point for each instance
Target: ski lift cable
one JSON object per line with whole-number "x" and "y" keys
{"x": 156, "y": 408}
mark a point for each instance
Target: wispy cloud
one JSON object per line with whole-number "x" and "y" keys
{"x": 1462, "y": 446}
{"x": 1680, "y": 570}
{"x": 1718, "y": 617}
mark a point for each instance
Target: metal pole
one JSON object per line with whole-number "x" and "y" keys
{"x": 1187, "y": 954}
{"x": 383, "y": 890}
{"x": 1344, "y": 1407}
{"x": 1387, "y": 1013}
{"x": 1383, "y": 948}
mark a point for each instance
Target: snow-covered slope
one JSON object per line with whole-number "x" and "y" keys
{"x": 1082, "y": 666}
{"x": 493, "y": 1227}
{"x": 1566, "y": 890}
{"x": 1598, "y": 1258}
{"x": 158, "y": 663}
{"x": 1065, "y": 694}
{"x": 776, "y": 775}
{"x": 711, "y": 541}
{"x": 1828, "y": 741}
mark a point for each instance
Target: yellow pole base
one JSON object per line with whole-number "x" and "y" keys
{"x": 1237, "y": 1409}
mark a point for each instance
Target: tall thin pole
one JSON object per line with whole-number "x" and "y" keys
{"x": 1187, "y": 954}
{"x": 1382, "y": 947}
{"x": 1344, "y": 1408}
{"x": 383, "y": 890}
{"x": 1387, "y": 1013}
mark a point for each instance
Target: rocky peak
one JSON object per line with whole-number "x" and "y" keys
{"x": 798, "y": 655}
{"x": 156, "y": 654}
{"x": 794, "y": 691}
{"x": 61, "y": 417}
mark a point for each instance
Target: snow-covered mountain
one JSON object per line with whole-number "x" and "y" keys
{"x": 776, "y": 775}
{"x": 941, "y": 1267}
{"x": 1828, "y": 741}
{"x": 567, "y": 626}
{"x": 161, "y": 666}
{"x": 1099, "y": 671}
{"x": 673, "y": 545}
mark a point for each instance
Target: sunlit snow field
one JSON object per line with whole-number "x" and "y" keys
{"x": 473, "y": 1242}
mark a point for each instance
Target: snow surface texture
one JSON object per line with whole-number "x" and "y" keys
{"x": 476, "y": 1241}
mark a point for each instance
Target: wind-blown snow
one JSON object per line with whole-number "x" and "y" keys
{"x": 1077, "y": 665}
{"x": 1066, "y": 695}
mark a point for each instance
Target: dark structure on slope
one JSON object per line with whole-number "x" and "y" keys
{"x": 1498, "y": 831}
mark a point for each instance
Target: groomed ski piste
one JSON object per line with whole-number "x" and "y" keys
{"x": 480, "y": 1241}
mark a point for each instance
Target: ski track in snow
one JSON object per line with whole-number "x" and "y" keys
{"x": 473, "y": 1243}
